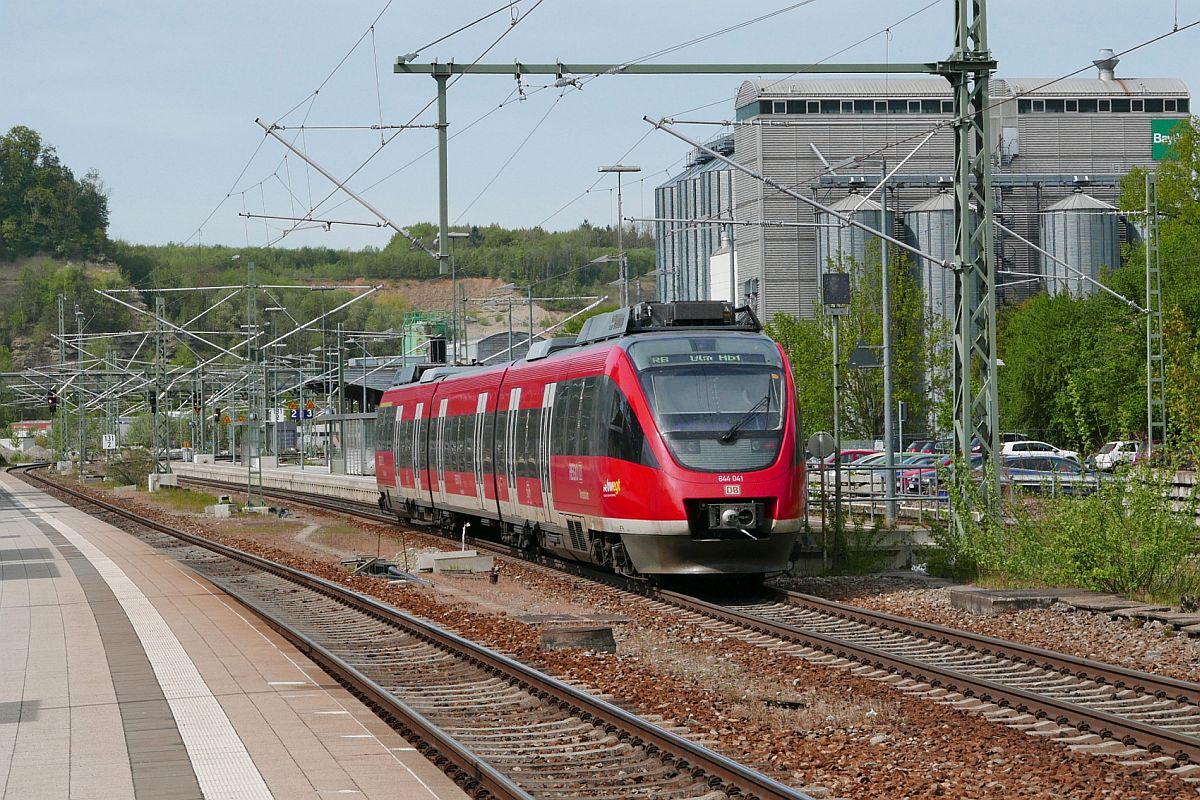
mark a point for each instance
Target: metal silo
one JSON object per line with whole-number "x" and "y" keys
{"x": 1085, "y": 233}
{"x": 931, "y": 229}
{"x": 841, "y": 244}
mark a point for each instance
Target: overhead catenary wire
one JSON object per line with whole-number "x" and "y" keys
{"x": 310, "y": 99}
{"x": 512, "y": 26}
{"x": 642, "y": 138}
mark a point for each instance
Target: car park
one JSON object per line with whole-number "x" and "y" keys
{"x": 1030, "y": 447}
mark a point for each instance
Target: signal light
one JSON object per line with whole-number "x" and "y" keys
{"x": 217, "y": 415}
{"x": 52, "y": 401}
{"x": 152, "y": 399}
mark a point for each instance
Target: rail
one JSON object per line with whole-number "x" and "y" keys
{"x": 701, "y": 763}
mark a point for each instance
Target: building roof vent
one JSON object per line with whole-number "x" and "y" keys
{"x": 1106, "y": 63}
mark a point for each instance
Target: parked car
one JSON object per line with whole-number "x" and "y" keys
{"x": 1031, "y": 447}
{"x": 1048, "y": 475}
{"x": 1125, "y": 451}
{"x": 825, "y": 467}
{"x": 870, "y": 475}
{"x": 927, "y": 478}
{"x": 921, "y": 446}
{"x": 948, "y": 446}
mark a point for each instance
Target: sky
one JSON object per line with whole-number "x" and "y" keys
{"x": 161, "y": 97}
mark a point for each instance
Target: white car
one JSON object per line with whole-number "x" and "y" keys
{"x": 1119, "y": 452}
{"x": 1034, "y": 448}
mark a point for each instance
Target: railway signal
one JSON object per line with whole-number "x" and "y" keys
{"x": 52, "y": 401}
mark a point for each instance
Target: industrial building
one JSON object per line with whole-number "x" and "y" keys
{"x": 1061, "y": 149}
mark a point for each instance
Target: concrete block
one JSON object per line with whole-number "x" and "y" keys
{"x": 266, "y": 462}
{"x": 154, "y": 482}
{"x": 598, "y": 638}
{"x": 220, "y": 510}
{"x": 65, "y": 467}
{"x": 455, "y": 561}
{"x": 263, "y": 510}
{"x": 204, "y": 458}
{"x": 997, "y": 601}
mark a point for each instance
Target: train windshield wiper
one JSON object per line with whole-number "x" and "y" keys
{"x": 760, "y": 406}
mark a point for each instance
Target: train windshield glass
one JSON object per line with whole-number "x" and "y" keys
{"x": 719, "y": 400}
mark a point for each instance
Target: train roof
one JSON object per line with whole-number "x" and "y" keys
{"x": 679, "y": 317}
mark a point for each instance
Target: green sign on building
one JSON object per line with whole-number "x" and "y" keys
{"x": 1162, "y": 136}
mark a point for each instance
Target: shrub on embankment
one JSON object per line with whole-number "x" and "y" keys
{"x": 1131, "y": 538}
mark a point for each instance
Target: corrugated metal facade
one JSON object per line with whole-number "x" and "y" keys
{"x": 703, "y": 191}
{"x": 777, "y": 266}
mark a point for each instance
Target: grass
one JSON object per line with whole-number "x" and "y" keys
{"x": 185, "y": 499}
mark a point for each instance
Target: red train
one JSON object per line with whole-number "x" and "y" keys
{"x": 663, "y": 440}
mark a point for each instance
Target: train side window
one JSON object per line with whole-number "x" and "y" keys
{"x": 524, "y": 456}
{"x": 626, "y": 439}
{"x": 533, "y": 441}
{"x": 468, "y": 442}
{"x": 460, "y": 444}
{"x": 571, "y": 421}
{"x": 558, "y": 437}
{"x": 488, "y": 433}
{"x": 501, "y": 418}
{"x": 587, "y": 415}
{"x": 518, "y": 454}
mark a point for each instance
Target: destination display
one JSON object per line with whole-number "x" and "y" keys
{"x": 706, "y": 358}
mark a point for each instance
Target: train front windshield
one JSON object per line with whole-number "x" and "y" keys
{"x": 719, "y": 401}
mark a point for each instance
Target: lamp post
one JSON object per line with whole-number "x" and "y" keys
{"x": 454, "y": 330}
{"x": 619, "y": 169}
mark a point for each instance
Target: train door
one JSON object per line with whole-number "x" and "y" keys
{"x": 543, "y": 453}
{"x": 397, "y": 448}
{"x": 418, "y": 451}
{"x": 510, "y": 508}
{"x": 439, "y": 476}
{"x": 477, "y": 449}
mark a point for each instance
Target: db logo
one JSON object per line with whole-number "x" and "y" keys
{"x": 732, "y": 488}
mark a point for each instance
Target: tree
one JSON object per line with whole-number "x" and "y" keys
{"x": 917, "y": 373}
{"x": 43, "y": 208}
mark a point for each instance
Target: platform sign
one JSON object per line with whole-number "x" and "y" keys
{"x": 109, "y": 441}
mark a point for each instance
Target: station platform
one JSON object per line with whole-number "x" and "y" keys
{"x": 314, "y": 480}
{"x": 123, "y": 674}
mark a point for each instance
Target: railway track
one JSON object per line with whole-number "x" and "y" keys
{"x": 1136, "y": 709}
{"x": 499, "y": 728}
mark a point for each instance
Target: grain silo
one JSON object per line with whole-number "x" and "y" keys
{"x": 843, "y": 245}
{"x": 931, "y": 230}
{"x": 1083, "y": 232}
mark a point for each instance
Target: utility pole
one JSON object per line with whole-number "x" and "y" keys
{"x": 619, "y": 169}
{"x": 1156, "y": 379}
{"x": 250, "y": 438}
{"x": 889, "y": 445}
{"x": 59, "y": 432}
{"x": 159, "y": 418}
{"x": 976, "y": 415}
{"x": 79, "y": 401}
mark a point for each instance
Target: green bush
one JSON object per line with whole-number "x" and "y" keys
{"x": 1131, "y": 537}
